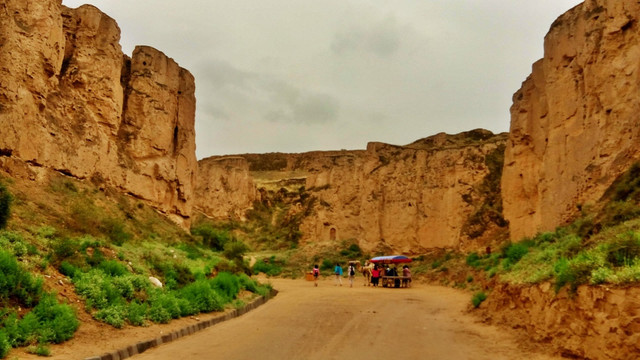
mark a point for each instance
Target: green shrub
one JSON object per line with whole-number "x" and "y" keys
{"x": 227, "y": 285}
{"x": 211, "y": 237}
{"x": 137, "y": 313}
{"x": 164, "y": 307}
{"x": 327, "y": 264}
{"x": 115, "y": 231}
{"x": 624, "y": 250}
{"x": 473, "y": 259}
{"x": 40, "y": 349}
{"x": 69, "y": 269}
{"x": 4, "y": 344}
{"x": 17, "y": 283}
{"x": 97, "y": 289}
{"x": 113, "y": 268}
{"x": 64, "y": 248}
{"x": 60, "y": 319}
{"x": 478, "y": 298}
{"x": 202, "y": 297}
{"x": 267, "y": 267}
{"x": 113, "y": 315}
{"x": 235, "y": 250}
{"x": 515, "y": 251}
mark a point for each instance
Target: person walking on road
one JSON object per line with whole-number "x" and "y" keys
{"x": 352, "y": 273}
{"x": 316, "y": 273}
{"x": 338, "y": 271}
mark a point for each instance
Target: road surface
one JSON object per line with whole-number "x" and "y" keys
{"x": 333, "y": 322}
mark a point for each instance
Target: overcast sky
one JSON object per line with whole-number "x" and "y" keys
{"x": 303, "y": 75}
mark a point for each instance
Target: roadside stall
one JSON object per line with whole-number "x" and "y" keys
{"x": 391, "y": 277}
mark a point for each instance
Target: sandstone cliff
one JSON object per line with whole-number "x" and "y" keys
{"x": 225, "y": 188}
{"x": 431, "y": 193}
{"x": 574, "y": 122}
{"x": 70, "y": 101}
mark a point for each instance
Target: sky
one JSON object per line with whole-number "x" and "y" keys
{"x": 304, "y": 75}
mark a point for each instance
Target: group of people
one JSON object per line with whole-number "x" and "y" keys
{"x": 375, "y": 273}
{"x": 371, "y": 272}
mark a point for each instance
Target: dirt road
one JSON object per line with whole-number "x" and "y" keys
{"x": 329, "y": 322}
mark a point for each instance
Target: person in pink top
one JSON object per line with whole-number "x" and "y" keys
{"x": 375, "y": 275}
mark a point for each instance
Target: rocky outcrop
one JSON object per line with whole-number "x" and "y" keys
{"x": 594, "y": 323}
{"x": 403, "y": 199}
{"x": 72, "y": 102}
{"x": 225, "y": 187}
{"x": 574, "y": 122}
{"x": 406, "y": 199}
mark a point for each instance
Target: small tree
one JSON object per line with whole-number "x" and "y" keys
{"x": 5, "y": 206}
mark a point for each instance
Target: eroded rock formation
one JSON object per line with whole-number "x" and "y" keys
{"x": 225, "y": 187}
{"x": 594, "y": 323}
{"x": 574, "y": 122}
{"x": 72, "y": 102}
{"x": 433, "y": 193}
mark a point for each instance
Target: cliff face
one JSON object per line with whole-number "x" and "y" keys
{"x": 406, "y": 199}
{"x": 574, "y": 122}
{"x": 70, "y": 101}
{"x": 432, "y": 193}
{"x": 225, "y": 187}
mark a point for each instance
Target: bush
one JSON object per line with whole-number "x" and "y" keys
{"x": 69, "y": 269}
{"x": 64, "y": 248}
{"x": 267, "y": 267}
{"x": 327, "y": 265}
{"x": 164, "y": 307}
{"x": 115, "y": 231}
{"x": 473, "y": 259}
{"x": 113, "y": 268}
{"x": 137, "y": 313}
{"x": 49, "y": 321}
{"x": 514, "y": 252}
{"x": 478, "y": 298}
{"x": 112, "y": 315}
{"x": 211, "y": 237}
{"x": 227, "y": 285}
{"x": 4, "y": 344}
{"x": 235, "y": 250}
{"x": 202, "y": 297}
{"x": 17, "y": 283}
{"x": 624, "y": 250}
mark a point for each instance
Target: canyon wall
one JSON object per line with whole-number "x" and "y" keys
{"x": 408, "y": 199}
{"x": 574, "y": 122}
{"x": 433, "y": 193}
{"x": 70, "y": 101}
{"x": 225, "y": 188}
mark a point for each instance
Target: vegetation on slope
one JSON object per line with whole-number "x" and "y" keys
{"x": 103, "y": 246}
{"x": 602, "y": 246}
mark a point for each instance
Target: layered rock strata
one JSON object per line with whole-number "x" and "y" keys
{"x": 404, "y": 199}
{"x": 225, "y": 188}
{"x": 574, "y": 122}
{"x": 70, "y": 101}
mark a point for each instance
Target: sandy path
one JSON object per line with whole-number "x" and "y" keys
{"x": 329, "y": 322}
